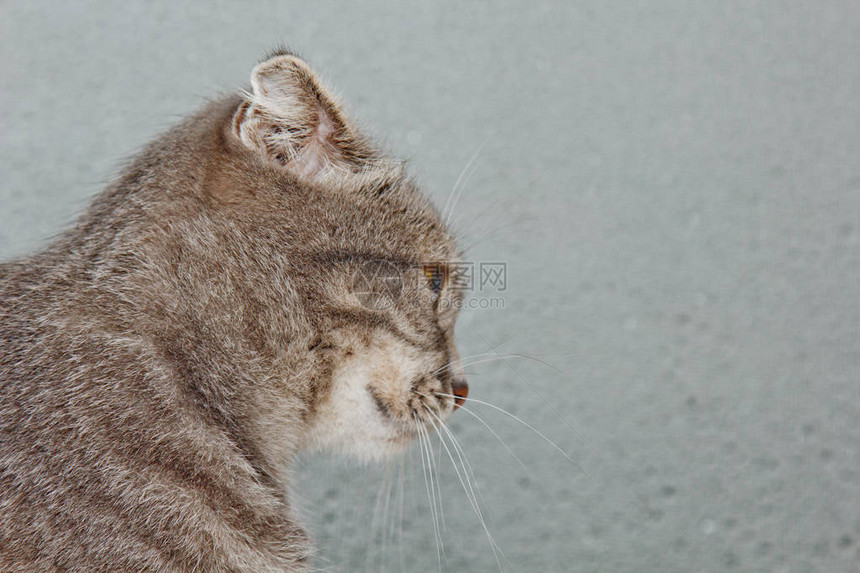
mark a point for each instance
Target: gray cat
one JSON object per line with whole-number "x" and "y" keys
{"x": 258, "y": 281}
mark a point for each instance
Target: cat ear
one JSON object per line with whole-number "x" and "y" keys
{"x": 290, "y": 118}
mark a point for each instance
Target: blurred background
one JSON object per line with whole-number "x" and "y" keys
{"x": 675, "y": 192}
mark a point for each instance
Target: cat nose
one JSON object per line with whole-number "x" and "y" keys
{"x": 460, "y": 389}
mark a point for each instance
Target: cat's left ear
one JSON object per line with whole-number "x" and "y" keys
{"x": 292, "y": 119}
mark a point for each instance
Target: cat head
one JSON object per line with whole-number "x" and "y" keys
{"x": 365, "y": 261}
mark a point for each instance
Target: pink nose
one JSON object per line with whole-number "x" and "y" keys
{"x": 460, "y": 390}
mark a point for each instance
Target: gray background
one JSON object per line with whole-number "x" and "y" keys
{"x": 681, "y": 241}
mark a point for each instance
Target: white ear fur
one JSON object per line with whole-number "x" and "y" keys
{"x": 291, "y": 118}
{"x": 287, "y": 87}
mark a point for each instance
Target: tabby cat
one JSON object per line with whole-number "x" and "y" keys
{"x": 259, "y": 281}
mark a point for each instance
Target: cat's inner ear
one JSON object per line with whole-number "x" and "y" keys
{"x": 290, "y": 118}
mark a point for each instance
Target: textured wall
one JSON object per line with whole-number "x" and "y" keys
{"x": 676, "y": 192}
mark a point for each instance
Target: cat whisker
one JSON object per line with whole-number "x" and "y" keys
{"x": 388, "y": 496}
{"x": 380, "y": 515}
{"x": 434, "y": 467}
{"x": 434, "y": 489}
{"x": 524, "y": 423}
{"x": 539, "y": 395}
{"x": 464, "y": 363}
{"x": 374, "y": 521}
{"x": 534, "y": 357}
{"x": 467, "y": 468}
{"x": 399, "y": 531}
{"x": 501, "y": 441}
{"x": 531, "y": 184}
{"x": 465, "y": 359}
{"x": 443, "y": 426}
{"x": 438, "y": 462}
{"x": 474, "y": 243}
{"x": 453, "y": 198}
{"x": 490, "y": 358}
{"x": 436, "y": 414}
{"x": 471, "y": 495}
{"x": 459, "y": 194}
{"x": 438, "y": 489}
{"x": 430, "y": 496}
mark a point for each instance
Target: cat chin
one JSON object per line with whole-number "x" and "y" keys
{"x": 366, "y": 413}
{"x": 350, "y": 422}
{"x": 368, "y": 450}
{"x": 352, "y": 425}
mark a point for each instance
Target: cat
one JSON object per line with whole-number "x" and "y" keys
{"x": 259, "y": 281}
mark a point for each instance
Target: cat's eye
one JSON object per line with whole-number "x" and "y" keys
{"x": 437, "y": 276}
